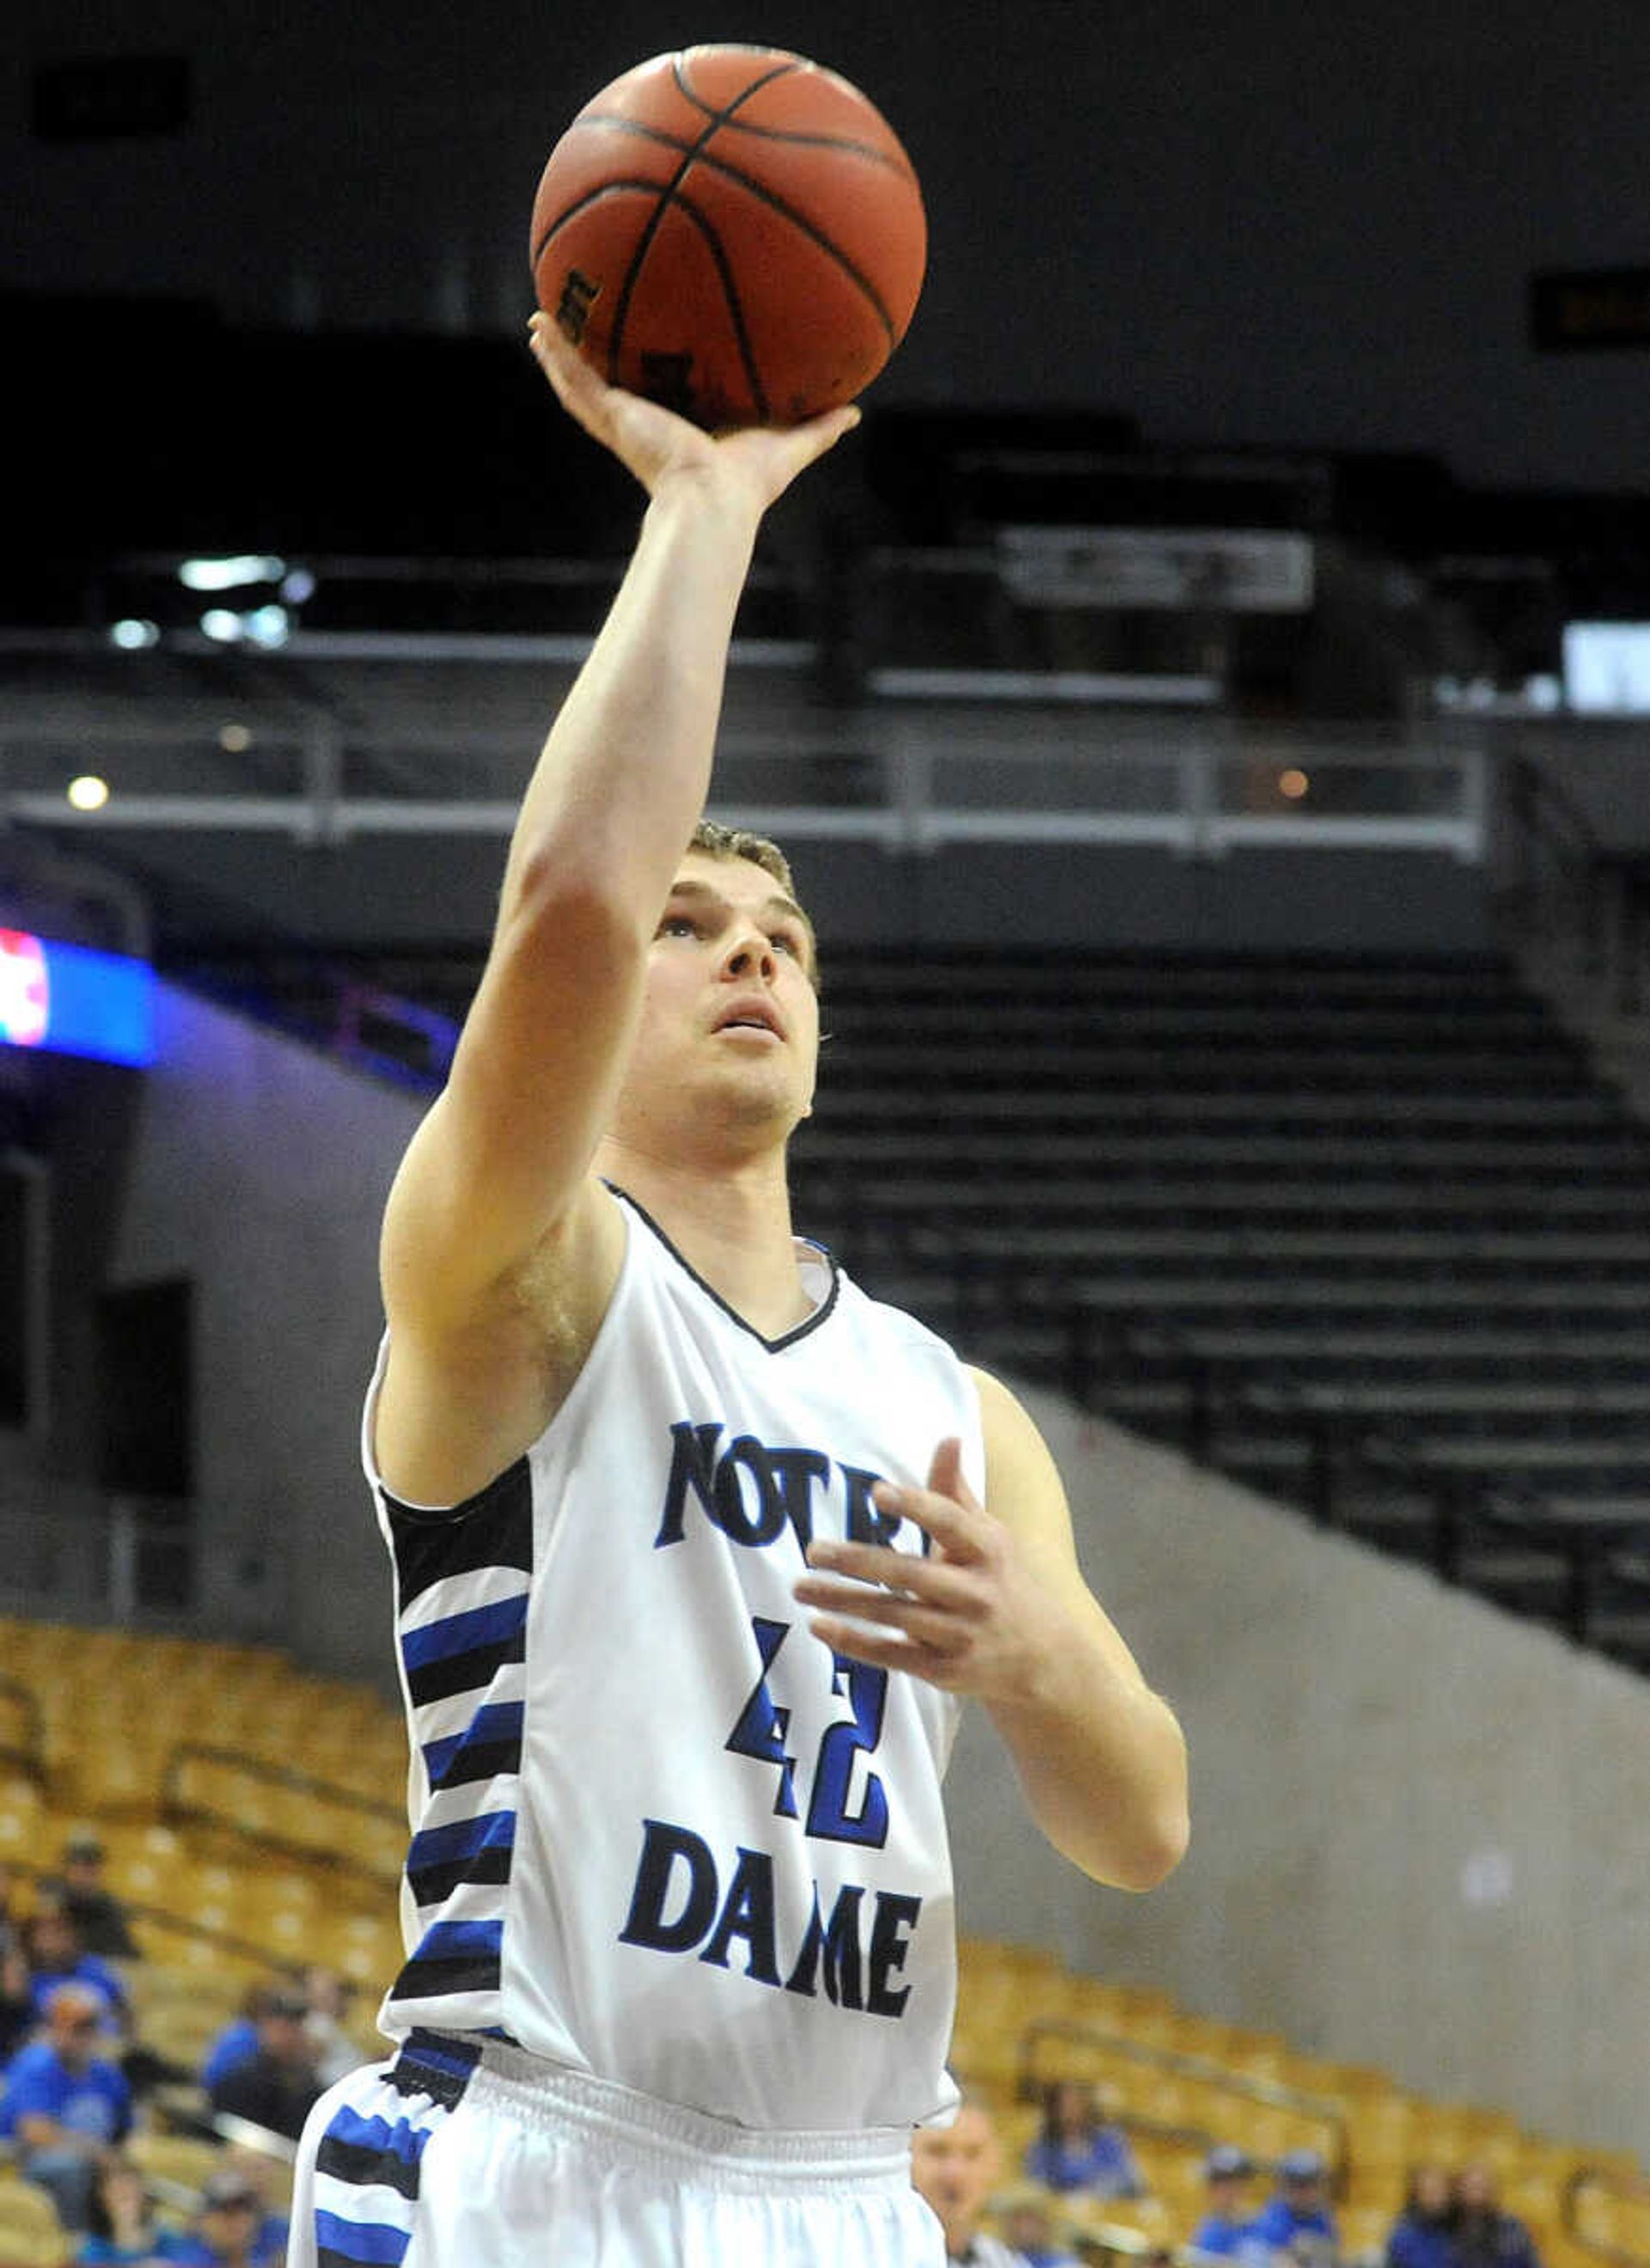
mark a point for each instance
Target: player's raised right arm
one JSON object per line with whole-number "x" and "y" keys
{"x": 502, "y": 1160}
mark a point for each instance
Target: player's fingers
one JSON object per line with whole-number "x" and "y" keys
{"x": 575, "y": 383}
{"x": 882, "y": 1610}
{"x": 961, "y": 1529}
{"x": 824, "y": 432}
{"x": 881, "y": 1651}
{"x": 899, "y": 1572}
{"x": 945, "y": 1474}
{"x": 882, "y": 1605}
{"x": 802, "y": 445}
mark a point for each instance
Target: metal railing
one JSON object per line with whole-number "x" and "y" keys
{"x": 178, "y": 1807}
{"x": 1343, "y": 1457}
{"x": 1066, "y": 2032}
{"x": 1564, "y": 884}
{"x": 1462, "y": 1509}
{"x": 186, "y": 1926}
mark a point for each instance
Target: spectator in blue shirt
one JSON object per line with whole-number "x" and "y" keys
{"x": 1423, "y": 2235}
{"x": 1227, "y": 2227}
{"x": 64, "y": 2105}
{"x": 1080, "y": 2148}
{"x": 238, "y": 2042}
{"x": 56, "y": 1956}
{"x": 1297, "y": 2218}
{"x": 231, "y": 2229}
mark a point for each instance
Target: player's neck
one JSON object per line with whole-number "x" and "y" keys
{"x": 732, "y": 1227}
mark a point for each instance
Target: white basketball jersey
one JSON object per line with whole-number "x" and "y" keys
{"x": 660, "y": 1833}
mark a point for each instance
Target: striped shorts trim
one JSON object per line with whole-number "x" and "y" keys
{"x": 360, "y": 2160}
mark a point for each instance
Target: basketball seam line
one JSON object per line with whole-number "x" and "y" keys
{"x": 896, "y": 163}
{"x": 607, "y": 189}
{"x": 668, "y": 196}
{"x": 671, "y": 194}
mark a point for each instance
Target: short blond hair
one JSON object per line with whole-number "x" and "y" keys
{"x": 720, "y": 841}
{"x": 716, "y": 841}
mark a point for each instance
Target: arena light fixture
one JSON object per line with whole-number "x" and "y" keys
{"x": 234, "y": 573}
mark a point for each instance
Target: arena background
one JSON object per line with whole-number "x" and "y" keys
{"x": 1422, "y": 1828}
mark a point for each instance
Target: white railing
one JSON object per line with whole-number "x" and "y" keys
{"x": 999, "y": 763}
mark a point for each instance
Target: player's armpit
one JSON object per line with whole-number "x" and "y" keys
{"x": 469, "y": 1386}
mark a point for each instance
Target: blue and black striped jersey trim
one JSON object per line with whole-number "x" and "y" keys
{"x": 492, "y": 1528}
{"x": 460, "y": 1652}
{"x": 463, "y": 1581}
{"x": 489, "y": 1744}
{"x": 466, "y": 1851}
{"x": 453, "y": 1956}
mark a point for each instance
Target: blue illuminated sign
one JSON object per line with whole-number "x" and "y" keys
{"x": 73, "y": 1001}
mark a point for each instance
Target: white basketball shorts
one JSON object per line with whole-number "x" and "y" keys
{"x": 460, "y": 2155}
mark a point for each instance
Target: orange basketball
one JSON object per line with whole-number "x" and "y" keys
{"x": 733, "y": 231}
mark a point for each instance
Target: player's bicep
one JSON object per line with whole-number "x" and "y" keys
{"x": 1025, "y": 1492}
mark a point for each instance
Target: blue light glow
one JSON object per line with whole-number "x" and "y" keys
{"x": 70, "y": 1000}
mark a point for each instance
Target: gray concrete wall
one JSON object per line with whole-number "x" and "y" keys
{"x": 260, "y": 1168}
{"x": 1421, "y": 1829}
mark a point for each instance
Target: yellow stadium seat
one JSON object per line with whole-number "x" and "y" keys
{"x": 31, "y": 2234}
{"x": 180, "y": 2158}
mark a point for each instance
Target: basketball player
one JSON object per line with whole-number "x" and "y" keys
{"x": 695, "y": 1548}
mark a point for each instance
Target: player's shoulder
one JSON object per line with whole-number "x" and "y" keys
{"x": 861, "y": 1309}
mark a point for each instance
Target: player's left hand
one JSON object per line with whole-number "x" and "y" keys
{"x": 970, "y": 1616}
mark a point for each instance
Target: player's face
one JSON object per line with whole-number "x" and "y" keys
{"x": 730, "y": 1018}
{"x": 954, "y": 2168}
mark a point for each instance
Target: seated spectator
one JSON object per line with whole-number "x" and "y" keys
{"x": 1423, "y": 2235}
{"x": 1227, "y": 2228}
{"x": 1297, "y": 2218}
{"x": 124, "y": 2233}
{"x": 17, "y": 2006}
{"x": 1079, "y": 2148}
{"x": 953, "y": 2169}
{"x": 238, "y": 2042}
{"x": 65, "y": 2105}
{"x": 269, "y": 2239}
{"x": 92, "y": 1907}
{"x": 1028, "y": 2227}
{"x": 1484, "y": 2235}
{"x": 277, "y": 2085}
{"x": 327, "y": 1996}
{"x": 231, "y": 2228}
{"x": 56, "y": 1956}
